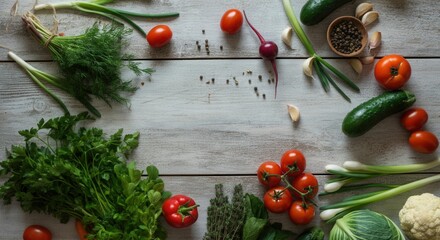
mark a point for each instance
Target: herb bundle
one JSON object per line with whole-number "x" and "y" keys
{"x": 90, "y": 63}
{"x": 96, "y": 7}
{"x": 82, "y": 174}
{"x": 245, "y": 217}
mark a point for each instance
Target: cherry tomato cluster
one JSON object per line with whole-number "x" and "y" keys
{"x": 289, "y": 187}
{"x": 420, "y": 140}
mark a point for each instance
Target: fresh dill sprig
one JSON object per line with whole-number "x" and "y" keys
{"x": 90, "y": 63}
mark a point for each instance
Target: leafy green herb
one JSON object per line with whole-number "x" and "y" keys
{"x": 246, "y": 218}
{"x": 90, "y": 63}
{"x": 83, "y": 174}
{"x": 96, "y": 7}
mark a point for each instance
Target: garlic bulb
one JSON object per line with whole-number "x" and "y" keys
{"x": 286, "y": 36}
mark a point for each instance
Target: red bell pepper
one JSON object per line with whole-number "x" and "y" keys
{"x": 180, "y": 211}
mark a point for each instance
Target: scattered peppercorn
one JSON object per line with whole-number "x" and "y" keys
{"x": 260, "y": 77}
{"x": 212, "y": 80}
{"x": 221, "y": 47}
{"x": 250, "y": 81}
{"x": 203, "y": 31}
{"x": 201, "y": 77}
{"x": 264, "y": 96}
{"x": 255, "y": 89}
{"x": 227, "y": 81}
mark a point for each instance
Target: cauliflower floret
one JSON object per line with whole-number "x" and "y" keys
{"x": 420, "y": 217}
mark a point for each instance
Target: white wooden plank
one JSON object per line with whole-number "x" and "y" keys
{"x": 407, "y": 28}
{"x": 190, "y": 127}
{"x": 13, "y": 220}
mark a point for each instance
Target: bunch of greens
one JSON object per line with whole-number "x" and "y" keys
{"x": 245, "y": 217}
{"x": 82, "y": 174}
{"x": 366, "y": 225}
{"x": 90, "y": 63}
{"x": 96, "y": 7}
{"x": 353, "y": 171}
{"x": 321, "y": 66}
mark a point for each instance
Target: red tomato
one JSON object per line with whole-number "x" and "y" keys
{"x": 392, "y": 71}
{"x": 413, "y": 119}
{"x": 269, "y": 174}
{"x": 293, "y": 162}
{"x": 80, "y": 230}
{"x": 277, "y": 199}
{"x": 231, "y": 21}
{"x": 305, "y": 183}
{"x": 301, "y": 213}
{"x": 159, "y": 36}
{"x": 37, "y": 232}
{"x": 423, "y": 141}
{"x": 180, "y": 211}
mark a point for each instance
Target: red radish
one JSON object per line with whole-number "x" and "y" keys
{"x": 268, "y": 50}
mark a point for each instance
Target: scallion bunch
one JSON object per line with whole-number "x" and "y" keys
{"x": 321, "y": 66}
{"x": 353, "y": 171}
{"x": 96, "y": 7}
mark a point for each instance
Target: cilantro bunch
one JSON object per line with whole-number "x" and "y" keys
{"x": 80, "y": 173}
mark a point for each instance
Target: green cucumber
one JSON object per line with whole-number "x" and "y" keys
{"x": 314, "y": 11}
{"x": 368, "y": 114}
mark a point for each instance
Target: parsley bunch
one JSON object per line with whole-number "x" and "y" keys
{"x": 82, "y": 174}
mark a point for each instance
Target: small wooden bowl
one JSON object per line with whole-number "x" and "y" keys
{"x": 358, "y": 24}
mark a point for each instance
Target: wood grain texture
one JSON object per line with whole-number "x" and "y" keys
{"x": 200, "y": 132}
{"x": 189, "y": 126}
{"x": 408, "y": 28}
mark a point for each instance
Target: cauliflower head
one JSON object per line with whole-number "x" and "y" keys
{"x": 420, "y": 217}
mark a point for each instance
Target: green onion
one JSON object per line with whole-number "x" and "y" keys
{"x": 321, "y": 65}
{"x": 330, "y": 211}
{"x": 95, "y": 7}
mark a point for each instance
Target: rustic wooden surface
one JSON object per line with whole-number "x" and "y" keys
{"x": 199, "y": 133}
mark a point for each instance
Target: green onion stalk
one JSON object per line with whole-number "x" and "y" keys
{"x": 96, "y": 7}
{"x": 321, "y": 66}
{"x": 354, "y": 171}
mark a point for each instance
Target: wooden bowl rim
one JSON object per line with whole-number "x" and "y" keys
{"x": 361, "y": 28}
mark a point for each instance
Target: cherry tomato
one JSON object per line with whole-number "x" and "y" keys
{"x": 305, "y": 183}
{"x": 413, "y": 119}
{"x": 277, "y": 199}
{"x": 80, "y": 230}
{"x": 293, "y": 162}
{"x": 301, "y": 213}
{"x": 180, "y": 211}
{"x": 159, "y": 36}
{"x": 231, "y": 21}
{"x": 269, "y": 174}
{"x": 423, "y": 141}
{"x": 37, "y": 232}
{"x": 392, "y": 72}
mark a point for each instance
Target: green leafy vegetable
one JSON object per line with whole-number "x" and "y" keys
{"x": 365, "y": 225}
{"x": 321, "y": 66}
{"x": 96, "y": 7}
{"x": 83, "y": 174}
{"x": 90, "y": 63}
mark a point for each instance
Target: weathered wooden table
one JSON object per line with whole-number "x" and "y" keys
{"x": 199, "y": 133}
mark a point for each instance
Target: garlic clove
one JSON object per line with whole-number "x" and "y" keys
{"x": 308, "y": 67}
{"x": 367, "y": 60}
{"x": 356, "y": 64}
{"x": 293, "y": 112}
{"x": 363, "y": 8}
{"x": 286, "y": 36}
{"x": 375, "y": 40}
{"x": 369, "y": 17}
